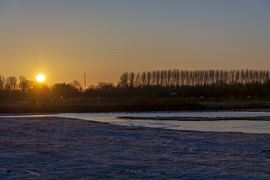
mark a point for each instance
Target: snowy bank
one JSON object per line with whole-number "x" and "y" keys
{"x": 59, "y": 148}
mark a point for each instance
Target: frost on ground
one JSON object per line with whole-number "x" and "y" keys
{"x": 58, "y": 148}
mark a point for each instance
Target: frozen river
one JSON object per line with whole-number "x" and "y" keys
{"x": 149, "y": 119}
{"x": 217, "y": 121}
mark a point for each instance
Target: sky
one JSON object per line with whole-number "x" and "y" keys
{"x": 63, "y": 39}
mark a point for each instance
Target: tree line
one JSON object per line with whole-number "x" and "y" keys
{"x": 174, "y": 78}
{"x": 216, "y": 83}
{"x": 13, "y": 88}
{"x": 160, "y": 83}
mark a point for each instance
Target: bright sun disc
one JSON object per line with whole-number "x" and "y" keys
{"x": 40, "y": 78}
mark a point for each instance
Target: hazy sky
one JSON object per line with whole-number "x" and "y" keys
{"x": 62, "y": 39}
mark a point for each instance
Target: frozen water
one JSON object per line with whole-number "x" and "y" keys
{"x": 219, "y": 125}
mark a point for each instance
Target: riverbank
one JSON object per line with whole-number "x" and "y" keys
{"x": 128, "y": 105}
{"x": 59, "y": 148}
{"x": 104, "y": 105}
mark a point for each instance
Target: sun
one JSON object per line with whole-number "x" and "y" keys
{"x": 40, "y": 78}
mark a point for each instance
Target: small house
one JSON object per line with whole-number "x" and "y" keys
{"x": 173, "y": 95}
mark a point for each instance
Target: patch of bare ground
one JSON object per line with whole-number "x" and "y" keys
{"x": 58, "y": 148}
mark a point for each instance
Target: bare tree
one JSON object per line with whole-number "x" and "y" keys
{"x": 105, "y": 87}
{"x": 267, "y": 74}
{"x": 2, "y": 82}
{"x": 188, "y": 75}
{"x": 137, "y": 82}
{"x": 11, "y": 82}
{"x": 182, "y": 78}
{"x": 143, "y": 78}
{"x": 148, "y": 78}
{"x": 243, "y": 80}
{"x": 165, "y": 77}
{"x": 217, "y": 76}
{"x": 262, "y": 76}
{"x": 123, "y": 80}
{"x": 226, "y": 77}
{"x": 131, "y": 79}
{"x": 76, "y": 83}
{"x": 157, "y": 77}
{"x": 23, "y": 84}
{"x": 248, "y": 76}
{"x": 177, "y": 76}
{"x": 206, "y": 78}
{"x": 212, "y": 76}
{"x": 161, "y": 78}
{"x": 237, "y": 76}
{"x": 153, "y": 75}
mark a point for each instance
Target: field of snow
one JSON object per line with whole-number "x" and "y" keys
{"x": 61, "y": 148}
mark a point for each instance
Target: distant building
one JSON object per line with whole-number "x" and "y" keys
{"x": 173, "y": 94}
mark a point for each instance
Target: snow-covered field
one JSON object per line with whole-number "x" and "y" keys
{"x": 59, "y": 148}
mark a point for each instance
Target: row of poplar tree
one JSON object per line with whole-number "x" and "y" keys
{"x": 193, "y": 78}
{"x": 216, "y": 83}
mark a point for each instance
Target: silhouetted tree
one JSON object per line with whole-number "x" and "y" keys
{"x": 65, "y": 90}
{"x": 157, "y": 78}
{"x": 76, "y": 84}
{"x": 143, "y": 78}
{"x": 11, "y": 82}
{"x": 137, "y": 82}
{"x": 217, "y": 83}
{"x": 2, "y": 82}
{"x": 23, "y": 84}
{"x": 131, "y": 79}
{"x": 123, "y": 83}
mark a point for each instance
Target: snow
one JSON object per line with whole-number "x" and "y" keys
{"x": 61, "y": 148}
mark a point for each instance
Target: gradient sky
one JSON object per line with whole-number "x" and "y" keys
{"x": 62, "y": 39}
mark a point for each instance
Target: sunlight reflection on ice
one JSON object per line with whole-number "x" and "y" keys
{"x": 244, "y": 126}
{"x": 216, "y": 126}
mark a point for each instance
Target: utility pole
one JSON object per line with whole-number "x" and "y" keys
{"x": 84, "y": 80}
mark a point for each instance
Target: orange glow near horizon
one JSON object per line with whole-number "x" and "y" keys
{"x": 124, "y": 36}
